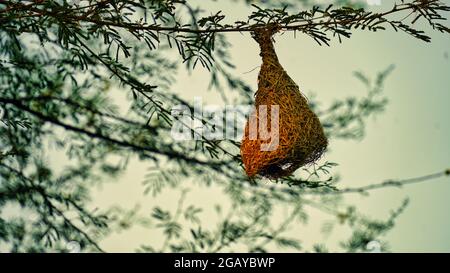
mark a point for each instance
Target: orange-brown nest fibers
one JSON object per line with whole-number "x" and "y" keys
{"x": 299, "y": 140}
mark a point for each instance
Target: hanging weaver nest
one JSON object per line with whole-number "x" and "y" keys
{"x": 300, "y": 135}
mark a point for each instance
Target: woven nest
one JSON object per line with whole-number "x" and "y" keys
{"x": 301, "y": 137}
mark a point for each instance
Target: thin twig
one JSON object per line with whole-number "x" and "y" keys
{"x": 393, "y": 183}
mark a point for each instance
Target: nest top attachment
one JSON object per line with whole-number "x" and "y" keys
{"x": 264, "y": 33}
{"x": 299, "y": 137}
{"x": 264, "y": 37}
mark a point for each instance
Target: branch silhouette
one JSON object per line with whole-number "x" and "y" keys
{"x": 97, "y": 135}
{"x": 338, "y": 21}
{"x": 394, "y": 183}
{"x": 325, "y": 189}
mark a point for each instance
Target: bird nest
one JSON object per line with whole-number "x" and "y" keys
{"x": 299, "y": 140}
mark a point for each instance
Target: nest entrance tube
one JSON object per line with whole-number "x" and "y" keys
{"x": 299, "y": 138}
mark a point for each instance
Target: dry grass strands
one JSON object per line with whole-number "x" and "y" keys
{"x": 300, "y": 135}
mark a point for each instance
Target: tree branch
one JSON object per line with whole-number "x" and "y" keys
{"x": 328, "y": 19}
{"x": 393, "y": 183}
{"x": 169, "y": 154}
